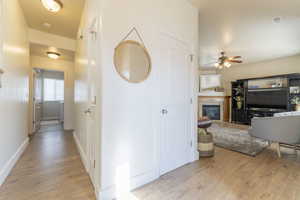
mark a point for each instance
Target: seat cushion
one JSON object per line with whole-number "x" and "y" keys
{"x": 283, "y": 114}
{"x": 204, "y": 123}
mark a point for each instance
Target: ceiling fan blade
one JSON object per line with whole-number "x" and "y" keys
{"x": 235, "y": 57}
{"x": 236, "y": 61}
{"x": 212, "y": 63}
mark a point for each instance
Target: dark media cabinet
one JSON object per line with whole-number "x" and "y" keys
{"x": 263, "y": 97}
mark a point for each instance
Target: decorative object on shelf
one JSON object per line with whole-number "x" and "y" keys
{"x": 52, "y": 5}
{"x": 239, "y": 102}
{"x": 132, "y": 60}
{"x": 265, "y": 83}
{"x": 1, "y": 73}
{"x": 205, "y": 138}
{"x": 295, "y": 90}
{"x": 296, "y": 101}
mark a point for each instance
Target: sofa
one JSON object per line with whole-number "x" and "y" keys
{"x": 281, "y": 129}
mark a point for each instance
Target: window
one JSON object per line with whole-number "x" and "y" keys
{"x": 53, "y": 90}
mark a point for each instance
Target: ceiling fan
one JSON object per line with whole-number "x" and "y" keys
{"x": 225, "y": 61}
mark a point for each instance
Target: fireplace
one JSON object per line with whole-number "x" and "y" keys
{"x": 212, "y": 111}
{"x": 214, "y": 107}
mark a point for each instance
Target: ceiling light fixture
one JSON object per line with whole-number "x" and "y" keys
{"x": 227, "y": 64}
{"x": 46, "y": 25}
{"x": 52, "y": 5}
{"x": 217, "y": 65}
{"x": 53, "y": 55}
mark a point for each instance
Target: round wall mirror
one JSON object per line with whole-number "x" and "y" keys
{"x": 132, "y": 61}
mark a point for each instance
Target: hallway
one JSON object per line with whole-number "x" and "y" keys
{"x": 50, "y": 168}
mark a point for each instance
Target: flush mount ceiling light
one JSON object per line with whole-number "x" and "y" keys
{"x": 53, "y": 55}
{"x": 52, "y": 5}
{"x": 46, "y": 25}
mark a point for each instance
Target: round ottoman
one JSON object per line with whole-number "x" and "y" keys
{"x": 205, "y": 139}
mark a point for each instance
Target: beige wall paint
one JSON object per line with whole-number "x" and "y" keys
{"x": 48, "y": 39}
{"x": 285, "y": 65}
{"x": 68, "y": 69}
{"x": 14, "y": 93}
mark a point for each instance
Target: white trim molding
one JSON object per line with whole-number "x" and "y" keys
{"x": 110, "y": 193}
{"x": 81, "y": 152}
{"x": 5, "y": 171}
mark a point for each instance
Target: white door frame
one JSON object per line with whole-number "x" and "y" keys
{"x": 93, "y": 105}
{"x": 193, "y": 107}
{"x": 33, "y": 110}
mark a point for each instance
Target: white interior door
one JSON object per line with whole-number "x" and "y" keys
{"x": 92, "y": 97}
{"x": 176, "y": 102}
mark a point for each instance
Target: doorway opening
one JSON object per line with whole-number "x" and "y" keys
{"x": 48, "y": 99}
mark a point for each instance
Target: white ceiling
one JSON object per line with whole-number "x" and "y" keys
{"x": 41, "y": 50}
{"x": 246, "y": 28}
{"x": 64, "y": 23}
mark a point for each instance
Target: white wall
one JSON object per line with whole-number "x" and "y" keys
{"x": 51, "y": 40}
{"x": 68, "y": 69}
{"x": 14, "y": 93}
{"x": 279, "y": 66}
{"x": 81, "y": 88}
{"x": 131, "y": 112}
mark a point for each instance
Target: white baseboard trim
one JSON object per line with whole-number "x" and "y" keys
{"x": 110, "y": 193}
{"x": 81, "y": 151}
{"x": 5, "y": 171}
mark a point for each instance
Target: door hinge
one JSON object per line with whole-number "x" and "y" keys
{"x": 191, "y": 143}
{"x": 94, "y": 164}
{"x": 191, "y": 100}
{"x": 192, "y": 58}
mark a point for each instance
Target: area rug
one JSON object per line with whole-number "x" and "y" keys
{"x": 236, "y": 139}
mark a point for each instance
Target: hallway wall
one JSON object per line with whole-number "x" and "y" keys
{"x": 129, "y": 113}
{"x": 80, "y": 85}
{"x": 68, "y": 68}
{"x": 14, "y": 91}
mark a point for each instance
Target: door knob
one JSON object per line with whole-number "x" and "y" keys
{"x": 88, "y": 111}
{"x": 164, "y": 111}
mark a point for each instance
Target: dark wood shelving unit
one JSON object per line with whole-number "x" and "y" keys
{"x": 242, "y": 107}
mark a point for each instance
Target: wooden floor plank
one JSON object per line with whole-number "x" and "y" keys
{"x": 230, "y": 176}
{"x": 49, "y": 169}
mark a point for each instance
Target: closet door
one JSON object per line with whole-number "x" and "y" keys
{"x": 91, "y": 120}
{"x": 176, "y": 104}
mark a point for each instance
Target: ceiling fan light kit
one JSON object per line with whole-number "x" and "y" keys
{"x": 226, "y": 62}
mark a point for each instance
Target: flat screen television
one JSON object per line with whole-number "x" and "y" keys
{"x": 267, "y": 99}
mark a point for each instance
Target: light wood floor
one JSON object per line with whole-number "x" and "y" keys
{"x": 50, "y": 169}
{"x": 230, "y": 176}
